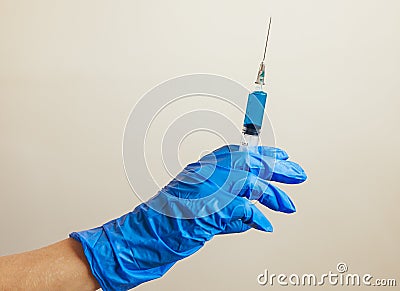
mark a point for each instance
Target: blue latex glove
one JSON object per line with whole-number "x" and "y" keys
{"x": 207, "y": 198}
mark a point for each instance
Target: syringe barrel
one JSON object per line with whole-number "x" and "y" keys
{"x": 254, "y": 113}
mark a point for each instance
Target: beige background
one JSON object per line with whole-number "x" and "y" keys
{"x": 70, "y": 72}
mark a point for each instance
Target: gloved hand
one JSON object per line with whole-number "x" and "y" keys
{"x": 207, "y": 198}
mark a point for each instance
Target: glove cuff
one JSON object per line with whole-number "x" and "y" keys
{"x": 111, "y": 260}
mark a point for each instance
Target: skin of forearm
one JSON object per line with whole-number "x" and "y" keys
{"x": 61, "y": 266}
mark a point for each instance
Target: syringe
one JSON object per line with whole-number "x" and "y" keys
{"x": 255, "y": 107}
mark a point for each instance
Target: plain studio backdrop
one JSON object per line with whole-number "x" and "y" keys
{"x": 71, "y": 71}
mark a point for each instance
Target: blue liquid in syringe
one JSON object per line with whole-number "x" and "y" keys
{"x": 255, "y": 111}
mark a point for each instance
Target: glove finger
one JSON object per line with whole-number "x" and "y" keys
{"x": 282, "y": 171}
{"x": 246, "y": 211}
{"x": 272, "y": 152}
{"x": 288, "y": 172}
{"x": 257, "y": 220}
{"x": 264, "y": 166}
{"x": 236, "y": 226}
{"x": 262, "y": 150}
{"x": 266, "y": 193}
{"x": 276, "y": 199}
{"x": 268, "y": 167}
